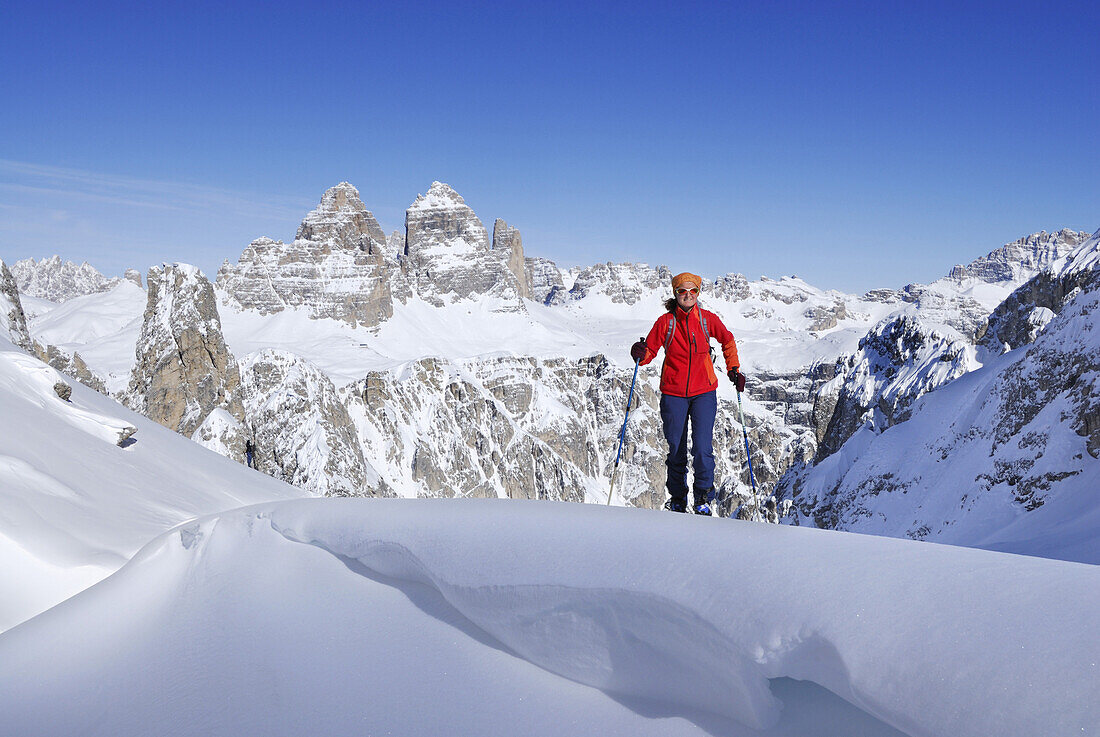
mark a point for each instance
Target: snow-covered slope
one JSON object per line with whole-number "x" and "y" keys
{"x": 500, "y": 618}
{"x": 74, "y": 505}
{"x": 104, "y": 327}
{"x": 379, "y": 315}
{"x": 1005, "y": 457}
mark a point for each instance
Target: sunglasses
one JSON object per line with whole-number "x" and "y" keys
{"x": 684, "y": 290}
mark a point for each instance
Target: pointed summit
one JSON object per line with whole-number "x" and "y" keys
{"x": 336, "y": 267}
{"x": 440, "y": 196}
{"x": 342, "y": 217}
{"x": 441, "y": 219}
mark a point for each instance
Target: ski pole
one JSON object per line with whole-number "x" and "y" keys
{"x": 752, "y": 479}
{"x": 622, "y": 434}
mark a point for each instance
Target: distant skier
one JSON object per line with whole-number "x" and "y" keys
{"x": 689, "y": 388}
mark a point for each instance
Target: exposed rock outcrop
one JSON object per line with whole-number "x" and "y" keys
{"x": 13, "y": 321}
{"x": 71, "y": 365}
{"x": 226, "y": 435}
{"x": 1019, "y": 319}
{"x": 625, "y": 283}
{"x": 544, "y": 282}
{"x": 336, "y": 267}
{"x": 541, "y": 428}
{"x": 183, "y": 369}
{"x": 302, "y": 432}
{"x": 1020, "y": 260}
{"x": 508, "y": 239}
{"x": 898, "y": 361}
{"x": 1021, "y": 432}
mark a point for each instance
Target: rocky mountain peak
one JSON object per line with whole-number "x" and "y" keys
{"x": 899, "y": 360}
{"x": 440, "y": 196}
{"x": 57, "y": 280}
{"x": 344, "y": 219}
{"x": 448, "y": 254}
{"x": 184, "y": 369}
{"x": 442, "y": 219}
{"x": 1022, "y": 259}
{"x": 1024, "y": 314}
{"x": 338, "y": 266}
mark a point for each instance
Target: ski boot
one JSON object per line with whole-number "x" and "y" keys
{"x": 704, "y": 501}
{"x": 676, "y": 505}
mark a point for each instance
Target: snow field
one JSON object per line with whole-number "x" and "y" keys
{"x": 74, "y": 506}
{"x": 428, "y": 617}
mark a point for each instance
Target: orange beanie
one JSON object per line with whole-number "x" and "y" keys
{"x": 685, "y": 278}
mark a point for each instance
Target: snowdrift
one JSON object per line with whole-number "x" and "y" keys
{"x": 75, "y": 505}
{"x": 429, "y": 617}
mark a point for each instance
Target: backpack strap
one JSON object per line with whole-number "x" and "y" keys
{"x": 672, "y": 327}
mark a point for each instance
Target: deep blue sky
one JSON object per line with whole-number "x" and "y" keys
{"x": 856, "y": 145}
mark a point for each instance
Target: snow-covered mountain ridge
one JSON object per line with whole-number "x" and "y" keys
{"x": 1007, "y": 456}
{"x": 464, "y": 367}
{"x": 939, "y": 412}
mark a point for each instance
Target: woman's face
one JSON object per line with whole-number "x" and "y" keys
{"x": 686, "y": 295}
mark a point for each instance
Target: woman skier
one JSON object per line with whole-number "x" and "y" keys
{"x": 689, "y": 388}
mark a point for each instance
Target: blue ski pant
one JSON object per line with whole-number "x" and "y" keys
{"x": 675, "y": 413}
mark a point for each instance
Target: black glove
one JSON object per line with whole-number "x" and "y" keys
{"x": 637, "y": 351}
{"x": 737, "y": 378}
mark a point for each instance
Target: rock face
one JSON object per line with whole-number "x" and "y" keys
{"x": 502, "y": 427}
{"x": 301, "y": 429}
{"x": 544, "y": 282}
{"x": 898, "y": 361}
{"x": 13, "y": 322}
{"x": 1020, "y": 260}
{"x": 13, "y": 325}
{"x": 626, "y": 283}
{"x": 530, "y": 428}
{"x": 336, "y": 267}
{"x": 1019, "y": 319}
{"x": 226, "y": 435}
{"x": 58, "y": 281}
{"x": 981, "y": 451}
{"x": 184, "y": 369}
{"x": 72, "y": 365}
{"x": 508, "y": 239}
{"x": 448, "y": 255}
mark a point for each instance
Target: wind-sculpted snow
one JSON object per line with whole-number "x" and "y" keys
{"x": 74, "y": 505}
{"x": 328, "y": 615}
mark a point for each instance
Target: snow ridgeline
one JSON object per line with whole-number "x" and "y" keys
{"x": 389, "y": 602}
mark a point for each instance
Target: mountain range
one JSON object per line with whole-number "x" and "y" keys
{"x": 443, "y": 361}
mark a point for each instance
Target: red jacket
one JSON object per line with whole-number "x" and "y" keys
{"x": 688, "y": 369}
